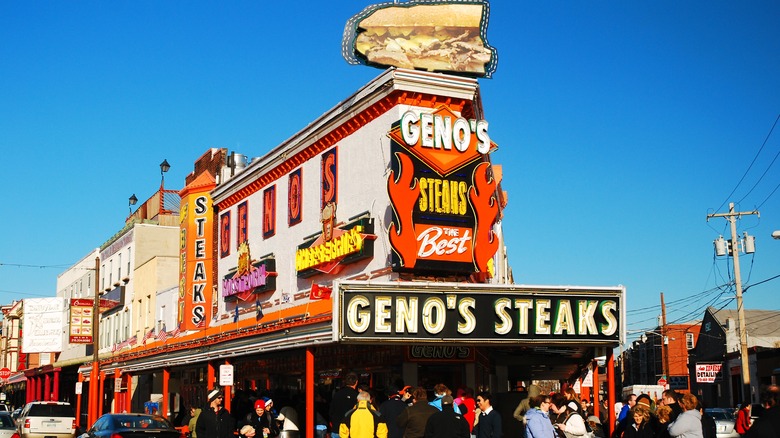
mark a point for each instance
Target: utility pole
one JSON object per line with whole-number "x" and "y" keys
{"x": 732, "y": 217}
{"x": 664, "y": 339}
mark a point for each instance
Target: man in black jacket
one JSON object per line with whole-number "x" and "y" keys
{"x": 343, "y": 400}
{"x": 768, "y": 424}
{"x": 215, "y": 421}
{"x": 447, "y": 423}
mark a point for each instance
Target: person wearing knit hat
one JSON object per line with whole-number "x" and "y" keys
{"x": 214, "y": 420}
{"x": 261, "y": 420}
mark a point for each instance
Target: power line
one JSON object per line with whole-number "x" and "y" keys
{"x": 751, "y": 165}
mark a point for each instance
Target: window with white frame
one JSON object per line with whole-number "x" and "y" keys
{"x": 689, "y": 341}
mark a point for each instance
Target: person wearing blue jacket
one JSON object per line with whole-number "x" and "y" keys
{"x": 537, "y": 421}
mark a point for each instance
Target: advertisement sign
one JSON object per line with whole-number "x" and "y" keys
{"x": 328, "y": 251}
{"x": 443, "y": 193}
{"x": 445, "y": 36}
{"x": 440, "y": 312}
{"x": 196, "y": 222}
{"x": 250, "y": 278}
{"x": 43, "y": 322}
{"x": 81, "y": 321}
{"x": 709, "y": 372}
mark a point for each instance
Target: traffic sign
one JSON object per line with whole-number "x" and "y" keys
{"x": 662, "y": 382}
{"x": 5, "y": 373}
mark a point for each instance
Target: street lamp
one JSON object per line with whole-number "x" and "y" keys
{"x": 131, "y": 202}
{"x": 164, "y": 167}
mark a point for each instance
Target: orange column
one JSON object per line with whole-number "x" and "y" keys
{"x": 164, "y": 407}
{"x": 101, "y": 397}
{"x": 118, "y": 402}
{"x": 610, "y": 391}
{"x": 46, "y": 387}
{"x": 210, "y": 376}
{"x": 596, "y": 388}
{"x": 56, "y": 385}
{"x": 128, "y": 392}
{"x": 310, "y": 392}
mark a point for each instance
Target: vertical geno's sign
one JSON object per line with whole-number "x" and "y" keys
{"x": 196, "y": 245}
{"x": 443, "y": 193}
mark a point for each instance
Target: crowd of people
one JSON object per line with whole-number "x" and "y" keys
{"x": 357, "y": 411}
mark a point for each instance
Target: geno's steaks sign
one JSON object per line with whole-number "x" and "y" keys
{"x": 471, "y": 313}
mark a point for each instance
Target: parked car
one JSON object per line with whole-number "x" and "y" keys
{"x": 131, "y": 426}
{"x": 7, "y": 426}
{"x": 724, "y": 422}
{"x": 47, "y": 420}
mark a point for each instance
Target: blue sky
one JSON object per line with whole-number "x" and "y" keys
{"x": 620, "y": 126}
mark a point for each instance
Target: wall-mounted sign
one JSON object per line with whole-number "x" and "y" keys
{"x": 196, "y": 248}
{"x": 433, "y": 35}
{"x": 437, "y": 312}
{"x": 346, "y": 244}
{"x": 251, "y": 277}
{"x": 42, "y": 321}
{"x": 709, "y": 372}
{"x": 439, "y": 353}
{"x": 443, "y": 193}
{"x": 81, "y": 318}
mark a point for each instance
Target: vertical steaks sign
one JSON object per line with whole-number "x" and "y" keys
{"x": 443, "y": 193}
{"x": 470, "y": 313}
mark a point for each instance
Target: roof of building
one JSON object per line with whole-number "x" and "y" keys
{"x": 759, "y": 323}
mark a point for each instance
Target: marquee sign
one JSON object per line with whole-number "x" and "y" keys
{"x": 443, "y": 193}
{"x": 335, "y": 247}
{"x": 465, "y": 313}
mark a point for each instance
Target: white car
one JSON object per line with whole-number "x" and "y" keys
{"x": 724, "y": 422}
{"x": 47, "y": 420}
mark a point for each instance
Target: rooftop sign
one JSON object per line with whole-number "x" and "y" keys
{"x": 434, "y": 35}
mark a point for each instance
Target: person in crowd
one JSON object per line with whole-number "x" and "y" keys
{"x": 363, "y": 421}
{"x": 343, "y": 400}
{"x": 647, "y": 402}
{"x": 214, "y": 421}
{"x": 670, "y": 398}
{"x": 688, "y": 423}
{"x": 288, "y": 419}
{"x": 525, "y": 404}
{"x": 624, "y": 419}
{"x": 439, "y": 391}
{"x": 663, "y": 413}
{"x": 708, "y": 427}
{"x": 467, "y": 405}
{"x": 538, "y": 424}
{"x": 595, "y": 425}
{"x": 573, "y": 424}
{"x": 392, "y": 408}
{"x": 489, "y": 425}
{"x": 194, "y": 414}
{"x": 261, "y": 420}
{"x": 743, "y": 419}
{"x": 640, "y": 427}
{"x": 768, "y": 424}
{"x": 557, "y": 408}
{"x": 414, "y": 419}
{"x": 447, "y": 423}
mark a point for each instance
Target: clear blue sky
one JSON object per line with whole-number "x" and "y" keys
{"x": 620, "y": 126}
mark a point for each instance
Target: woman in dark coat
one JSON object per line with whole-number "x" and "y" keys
{"x": 262, "y": 421}
{"x": 641, "y": 426}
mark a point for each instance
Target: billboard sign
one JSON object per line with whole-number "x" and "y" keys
{"x": 43, "y": 320}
